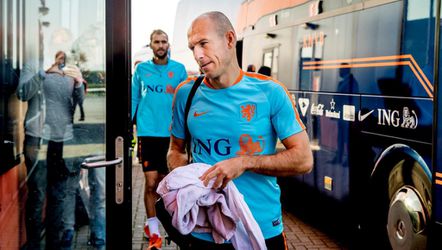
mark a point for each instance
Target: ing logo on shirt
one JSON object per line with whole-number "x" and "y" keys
{"x": 248, "y": 111}
{"x": 158, "y": 89}
{"x": 250, "y": 147}
{"x": 170, "y": 74}
{"x": 169, "y": 88}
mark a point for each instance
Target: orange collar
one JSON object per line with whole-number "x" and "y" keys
{"x": 238, "y": 79}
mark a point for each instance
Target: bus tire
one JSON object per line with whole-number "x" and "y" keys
{"x": 401, "y": 199}
{"x": 409, "y": 210}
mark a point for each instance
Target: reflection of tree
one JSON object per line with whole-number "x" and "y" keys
{"x": 88, "y": 54}
{"x": 79, "y": 58}
{"x": 95, "y": 78}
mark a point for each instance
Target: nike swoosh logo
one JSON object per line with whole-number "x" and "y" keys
{"x": 199, "y": 114}
{"x": 362, "y": 117}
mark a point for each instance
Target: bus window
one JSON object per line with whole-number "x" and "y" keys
{"x": 267, "y": 58}
{"x": 275, "y": 62}
{"x": 270, "y": 59}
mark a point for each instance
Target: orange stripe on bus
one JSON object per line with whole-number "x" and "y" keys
{"x": 420, "y": 80}
{"x": 417, "y": 71}
{"x": 438, "y": 182}
{"x": 364, "y": 59}
{"x": 438, "y": 174}
{"x": 381, "y": 64}
{"x": 421, "y": 72}
{"x": 357, "y": 65}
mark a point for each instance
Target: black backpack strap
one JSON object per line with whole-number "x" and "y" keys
{"x": 195, "y": 86}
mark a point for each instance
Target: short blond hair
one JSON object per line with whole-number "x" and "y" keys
{"x": 158, "y": 32}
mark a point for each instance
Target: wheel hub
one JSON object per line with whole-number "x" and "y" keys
{"x": 407, "y": 219}
{"x": 401, "y": 230}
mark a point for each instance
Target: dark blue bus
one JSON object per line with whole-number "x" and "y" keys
{"x": 364, "y": 76}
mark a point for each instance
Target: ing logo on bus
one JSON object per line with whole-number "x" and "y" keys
{"x": 388, "y": 117}
{"x": 316, "y": 38}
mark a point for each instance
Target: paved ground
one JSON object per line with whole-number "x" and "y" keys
{"x": 299, "y": 235}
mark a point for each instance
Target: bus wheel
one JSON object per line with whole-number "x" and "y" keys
{"x": 409, "y": 209}
{"x": 407, "y": 220}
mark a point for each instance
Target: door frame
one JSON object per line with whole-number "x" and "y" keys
{"x": 118, "y": 122}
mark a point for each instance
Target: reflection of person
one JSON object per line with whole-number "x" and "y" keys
{"x": 251, "y": 68}
{"x": 80, "y": 89}
{"x": 264, "y": 70}
{"x": 81, "y": 92}
{"x": 59, "y": 94}
{"x": 153, "y": 85}
{"x": 97, "y": 205}
{"x": 96, "y": 182}
{"x": 250, "y": 112}
{"x": 30, "y": 90}
{"x": 347, "y": 85}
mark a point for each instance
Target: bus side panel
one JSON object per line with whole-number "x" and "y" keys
{"x": 332, "y": 119}
{"x": 362, "y": 82}
{"x": 277, "y": 44}
{"x": 331, "y": 122}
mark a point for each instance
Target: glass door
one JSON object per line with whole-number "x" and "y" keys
{"x": 65, "y": 172}
{"x": 435, "y": 241}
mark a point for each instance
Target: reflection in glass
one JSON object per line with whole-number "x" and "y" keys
{"x": 52, "y": 60}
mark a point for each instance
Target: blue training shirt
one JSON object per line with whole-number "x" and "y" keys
{"x": 245, "y": 119}
{"x": 153, "y": 87}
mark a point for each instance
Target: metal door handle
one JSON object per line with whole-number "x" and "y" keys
{"x": 118, "y": 162}
{"x": 97, "y": 162}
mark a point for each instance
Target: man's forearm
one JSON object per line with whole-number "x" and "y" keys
{"x": 280, "y": 164}
{"x": 297, "y": 159}
{"x": 176, "y": 159}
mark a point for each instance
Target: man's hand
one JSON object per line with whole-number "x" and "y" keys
{"x": 296, "y": 159}
{"x": 225, "y": 171}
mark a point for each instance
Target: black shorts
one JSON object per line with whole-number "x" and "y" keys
{"x": 278, "y": 242}
{"x": 152, "y": 152}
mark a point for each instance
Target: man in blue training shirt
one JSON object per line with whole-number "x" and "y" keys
{"x": 153, "y": 85}
{"x": 234, "y": 121}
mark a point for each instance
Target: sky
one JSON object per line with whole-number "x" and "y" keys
{"x": 148, "y": 15}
